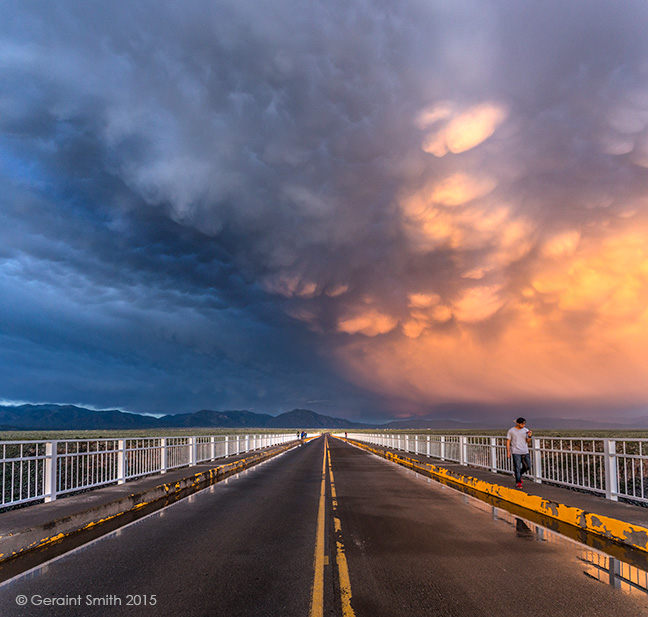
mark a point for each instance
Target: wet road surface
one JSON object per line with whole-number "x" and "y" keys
{"x": 415, "y": 547}
{"x": 329, "y": 530}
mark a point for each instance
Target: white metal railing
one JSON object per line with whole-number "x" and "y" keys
{"x": 43, "y": 470}
{"x": 614, "y": 468}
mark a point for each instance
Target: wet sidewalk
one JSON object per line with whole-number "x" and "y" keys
{"x": 32, "y": 527}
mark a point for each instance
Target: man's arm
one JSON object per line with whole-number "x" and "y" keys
{"x": 508, "y": 448}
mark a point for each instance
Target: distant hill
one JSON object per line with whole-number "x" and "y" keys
{"x": 309, "y": 419}
{"x": 64, "y": 417}
{"x": 71, "y": 417}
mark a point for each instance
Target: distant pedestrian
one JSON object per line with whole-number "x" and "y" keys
{"x": 517, "y": 445}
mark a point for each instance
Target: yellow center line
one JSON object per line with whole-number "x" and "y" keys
{"x": 317, "y": 597}
{"x": 341, "y": 561}
{"x": 333, "y": 493}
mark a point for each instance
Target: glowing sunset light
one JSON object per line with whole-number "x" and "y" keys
{"x": 471, "y": 128}
{"x": 369, "y": 323}
{"x": 463, "y": 131}
{"x": 460, "y": 188}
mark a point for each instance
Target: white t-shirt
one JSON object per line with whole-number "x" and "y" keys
{"x": 518, "y": 437}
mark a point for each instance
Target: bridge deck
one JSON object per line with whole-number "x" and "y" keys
{"x": 393, "y": 543}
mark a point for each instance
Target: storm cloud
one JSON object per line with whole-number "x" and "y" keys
{"x": 366, "y": 209}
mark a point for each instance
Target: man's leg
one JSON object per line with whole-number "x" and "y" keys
{"x": 517, "y": 467}
{"x": 526, "y": 463}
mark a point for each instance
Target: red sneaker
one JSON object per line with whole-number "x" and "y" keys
{"x": 519, "y": 484}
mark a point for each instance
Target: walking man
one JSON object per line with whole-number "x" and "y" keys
{"x": 517, "y": 444}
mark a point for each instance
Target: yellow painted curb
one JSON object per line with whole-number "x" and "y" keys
{"x": 629, "y": 534}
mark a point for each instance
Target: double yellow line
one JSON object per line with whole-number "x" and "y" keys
{"x": 317, "y": 597}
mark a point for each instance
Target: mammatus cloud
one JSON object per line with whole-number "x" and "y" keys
{"x": 450, "y": 131}
{"x": 387, "y": 208}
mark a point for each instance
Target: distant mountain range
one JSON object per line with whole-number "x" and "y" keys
{"x": 71, "y": 417}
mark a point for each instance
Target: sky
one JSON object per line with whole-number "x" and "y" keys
{"x": 370, "y": 209}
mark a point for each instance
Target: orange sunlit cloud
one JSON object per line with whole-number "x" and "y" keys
{"x": 459, "y": 131}
{"x": 554, "y": 312}
{"x": 369, "y": 322}
{"x": 459, "y": 189}
{"x": 527, "y": 361}
{"x": 576, "y": 329}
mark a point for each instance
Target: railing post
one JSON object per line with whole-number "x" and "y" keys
{"x": 51, "y": 449}
{"x": 463, "y": 448}
{"x": 429, "y": 445}
{"x": 537, "y": 460}
{"x": 442, "y": 452}
{"x": 192, "y": 451}
{"x": 611, "y": 479}
{"x": 212, "y": 448}
{"x": 247, "y": 443}
{"x": 163, "y": 455}
{"x": 121, "y": 461}
{"x": 493, "y": 453}
{"x": 226, "y": 445}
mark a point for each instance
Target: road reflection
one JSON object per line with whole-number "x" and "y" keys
{"x": 597, "y": 565}
{"x": 604, "y": 561}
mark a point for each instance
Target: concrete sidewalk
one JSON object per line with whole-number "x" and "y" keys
{"x": 622, "y": 523}
{"x": 36, "y": 526}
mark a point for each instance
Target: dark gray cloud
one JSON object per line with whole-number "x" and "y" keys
{"x": 236, "y": 204}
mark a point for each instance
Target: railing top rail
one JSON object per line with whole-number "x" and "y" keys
{"x": 135, "y": 437}
{"x": 25, "y": 441}
{"x": 503, "y": 434}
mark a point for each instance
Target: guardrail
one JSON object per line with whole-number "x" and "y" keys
{"x": 44, "y": 470}
{"x": 614, "y": 468}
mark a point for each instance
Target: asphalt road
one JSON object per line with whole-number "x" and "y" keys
{"x": 321, "y": 531}
{"x": 417, "y": 548}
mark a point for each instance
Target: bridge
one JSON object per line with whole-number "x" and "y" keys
{"x": 330, "y": 526}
